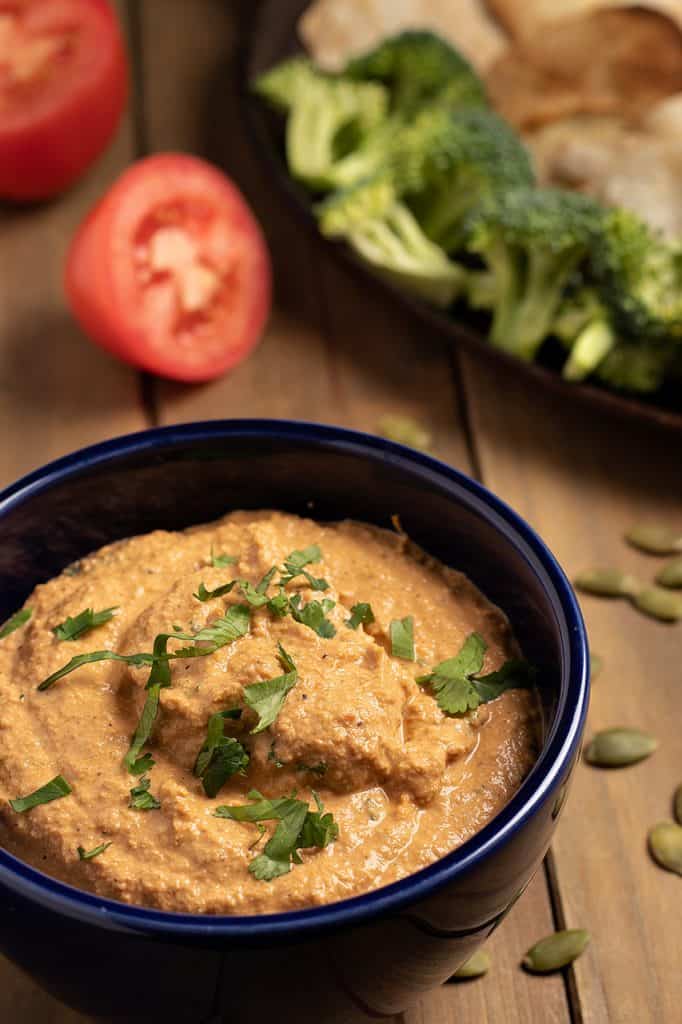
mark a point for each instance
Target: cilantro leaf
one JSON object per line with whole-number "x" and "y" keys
{"x": 16, "y": 622}
{"x": 87, "y": 659}
{"x": 203, "y": 594}
{"x": 458, "y": 686}
{"x": 140, "y": 797}
{"x": 222, "y": 561}
{"x": 279, "y": 605}
{"x": 402, "y": 638}
{"x": 220, "y": 756}
{"x": 142, "y": 765}
{"x": 53, "y": 790}
{"x": 515, "y": 674}
{"x": 298, "y": 828}
{"x": 313, "y": 615}
{"x": 360, "y": 614}
{"x": 294, "y": 565}
{"x": 267, "y": 698}
{"x": 132, "y": 759}
{"x": 319, "y": 829}
{"x": 72, "y": 628}
{"x": 91, "y": 854}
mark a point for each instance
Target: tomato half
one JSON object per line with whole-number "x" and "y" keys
{"x": 170, "y": 271}
{"x": 63, "y": 87}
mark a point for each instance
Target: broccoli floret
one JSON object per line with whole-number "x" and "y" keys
{"x": 385, "y": 234}
{"x": 466, "y": 157}
{"x": 418, "y": 68}
{"x": 282, "y": 84}
{"x": 584, "y": 326}
{"x": 637, "y": 366}
{"x": 639, "y": 277}
{"x": 533, "y": 241}
{"x": 376, "y": 151}
{"x": 480, "y": 289}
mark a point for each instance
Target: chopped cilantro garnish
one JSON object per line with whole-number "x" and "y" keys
{"x": 402, "y": 638}
{"x": 360, "y": 614}
{"x": 140, "y": 797}
{"x": 53, "y": 790}
{"x": 459, "y": 687}
{"x": 16, "y": 622}
{"x": 222, "y": 561}
{"x": 229, "y": 627}
{"x": 84, "y": 854}
{"x": 203, "y": 594}
{"x": 72, "y": 628}
{"x": 313, "y": 615}
{"x": 133, "y": 762}
{"x": 298, "y": 828}
{"x": 267, "y": 698}
{"x": 87, "y": 659}
{"x": 220, "y": 756}
{"x": 294, "y": 565}
{"x": 142, "y": 765}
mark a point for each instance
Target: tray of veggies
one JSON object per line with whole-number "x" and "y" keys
{"x": 399, "y": 160}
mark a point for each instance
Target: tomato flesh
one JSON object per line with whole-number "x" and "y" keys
{"x": 170, "y": 271}
{"x": 63, "y": 87}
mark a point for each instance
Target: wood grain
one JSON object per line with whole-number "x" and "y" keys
{"x": 582, "y": 483}
{"x": 57, "y": 393}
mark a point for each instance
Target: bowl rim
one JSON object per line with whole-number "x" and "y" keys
{"x": 559, "y": 750}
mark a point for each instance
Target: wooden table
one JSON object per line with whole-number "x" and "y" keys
{"x": 336, "y": 352}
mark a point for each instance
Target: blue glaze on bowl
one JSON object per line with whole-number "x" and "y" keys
{"x": 360, "y": 959}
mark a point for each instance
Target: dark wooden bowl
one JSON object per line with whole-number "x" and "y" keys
{"x": 271, "y": 38}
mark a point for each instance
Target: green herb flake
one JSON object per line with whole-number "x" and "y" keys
{"x": 298, "y": 828}
{"x": 203, "y": 594}
{"x": 267, "y": 698}
{"x": 221, "y": 756}
{"x": 19, "y": 619}
{"x": 313, "y": 615}
{"x": 84, "y": 854}
{"x": 87, "y": 659}
{"x": 222, "y": 561}
{"x": 73, "y": 628}
{"x": 294, "y": 565}
{"x": 458, "y": 685}
{"x": 135, "y": 764}
{"x": 360, "y": 615}
{"x": 53, "y": 790}
{"x": 140, "y": 797}
{"x": 402, "y": 638}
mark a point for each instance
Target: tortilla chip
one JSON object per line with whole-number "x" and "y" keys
{"x": 335, "y": 30}
{"x": 522, "y": 17}
{"x": 553, "y": 74}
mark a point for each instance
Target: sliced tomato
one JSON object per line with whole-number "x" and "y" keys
{"x": 63, "y": 87}
{"x": 170, "y": 271}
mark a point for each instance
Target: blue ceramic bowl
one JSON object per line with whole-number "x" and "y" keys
{"x": 364, "y": 958}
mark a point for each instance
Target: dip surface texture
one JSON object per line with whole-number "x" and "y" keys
{"x": 405, "y": 782}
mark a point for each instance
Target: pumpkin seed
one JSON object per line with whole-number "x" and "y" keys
{"x": 404, "y": 430}
{"x": 616, "y": 748}
{"x": 655, "y": 538}
{"x": 659, "y": 603}
{"x": 475, "y": 967}
{"x": 671, "y": 574}
{"x": 665, "y": 845}
{"x": 677, "y": 804}
{"x": 596, "y": 665}
{"x": 556, "y": 951}
{"x": 608, "y": 583}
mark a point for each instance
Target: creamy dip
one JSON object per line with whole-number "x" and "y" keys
{"x": 405, "y": 782}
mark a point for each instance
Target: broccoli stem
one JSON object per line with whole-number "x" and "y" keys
{"x": 589, "y": 349}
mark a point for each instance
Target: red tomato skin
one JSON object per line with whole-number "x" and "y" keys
{"x": 45, "y": 155}
{"x": 101, "y": 301}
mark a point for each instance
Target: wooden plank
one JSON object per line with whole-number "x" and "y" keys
{"x": 335, "y": 351}
{"x": 581, "y": 482}
{"x": 57, "y": 392}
